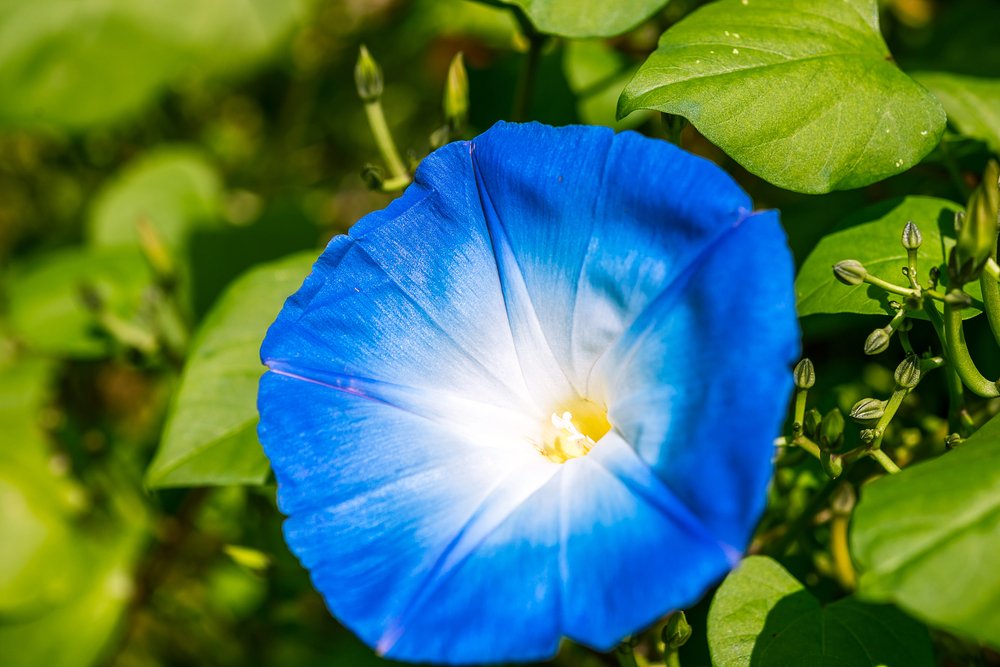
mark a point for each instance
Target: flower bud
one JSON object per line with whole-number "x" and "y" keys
{"x": 850, "y": 272}
{"x": 805, "y": 374}
{"x": 868, "y": 411}
{"x": 877, "y": 341}
{"x": 677, "y": 630}
{"x": 832, "y": 464}
{"x": 373, "y": 177}
{"x": 367, "y": 76}
{"x": 908, "y": 372}
{"x": 977, "y": 236}
{"x": 867, "y": 435}
{"x": 831, "y": 430}
{"x": 456, "y": 94}
{"x": 911, "y": 236}
{"x": 812, "y": 420}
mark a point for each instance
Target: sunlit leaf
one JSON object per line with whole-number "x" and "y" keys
{"x": 804, "y": 94}
{"x": 596, "y": 73}
{"x": 174, "y": 189}
{"x": 872, "y": 237}
{"x": 77, "y": 63}
{"x": 211, "y": 433}
{"x": 923, "y": 539}
{"x": 588, "y": 18}
{"x": 762, "y": 616}
{"x": 48, "y": 295}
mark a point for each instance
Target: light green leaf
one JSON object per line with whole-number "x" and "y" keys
{"x": 175, "y": 189}
{"x": 762, "y": 616}
{"x": 77, "y": 63}
{"x": 46, "y": 307}
{"x": 596, "y": 73}
{"x": 588, "y": 18}
{"x": 973, "y": 104}
{"x": 924, "y": 539}
{"x": 872, "y": 237}
{"x": 802, "y": 93}
{"x": 211, "y": 433}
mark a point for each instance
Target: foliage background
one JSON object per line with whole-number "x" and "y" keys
{"x": 234, "y": 131}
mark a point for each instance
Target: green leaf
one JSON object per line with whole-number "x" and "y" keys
{"x": 872, "y": 237}
{"x": 78, "y": 63}
{"x": 210, "y": 436}
{"x": 596, "y": 73}
{"x": 924, "y": 538}
{"x": 973, "y": 104}
{"x": 802, "y": 93}
{"x": 587, "y": 18}
{"x": 762, "y": 616}
{"x": 175, "y": 188}
{"x": 46, "y": 307}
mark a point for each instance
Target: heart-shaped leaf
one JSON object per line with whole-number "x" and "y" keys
{"x": 805, "y": 94}
{"x": 587, "y": 18}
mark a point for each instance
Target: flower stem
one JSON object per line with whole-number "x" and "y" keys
{"x": 991, "y": 298}
{"x": 529, "y": 72}
{"x": 958, "y": 354}
{"x": 884, "y": 460}
{"x": 385, "y": 143}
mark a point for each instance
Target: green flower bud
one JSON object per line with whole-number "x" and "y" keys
{"x": 844, "y": 499}
{"x": 831, "y": 430}
{"x": 850, "y": 272}
{"x": 878, "y": 341}
{"x": 812, "y": 420}
{"x": 805, "y": 374}
{"x": 911, "y": 236}
{"x": 953, "y": 441}
{"x": 867, "y": 435}
{"x": 677, "y": 630}
{"x": 832, "y": 464}
{"x": 373, "y": 177}
{"x": 367, "y": 76}
{"x": 977, "y": 236}
{"x": 456, "y": 94}
{"x": 868, "y": 411}
{"x": 908, "y": 372}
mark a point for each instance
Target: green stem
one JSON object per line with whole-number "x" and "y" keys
{"x": 384, "y": 140}
{"x": 626, "y": 656}
{"x": 798, "y": 419}
{"x": 887, "y": 463}
{"x": 959, "y": 420}
{"x": 529, "y": 73}
{"x": 892, "y": 288}
{"x": 808, "y": 445}
{"x": 911, "y": 268}
{"x": 958, "y": 354}
{"x": 672, "y": 658}
{"x": 991, "y": 299}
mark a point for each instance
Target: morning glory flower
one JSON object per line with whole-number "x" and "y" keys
{"x": 533, "y": 398}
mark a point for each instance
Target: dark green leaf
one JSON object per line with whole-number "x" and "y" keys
{"x": 762, "y": 616}
{"x": 924, "y": 538}
{"x": 588, "y": 18}
{"x": 211, "y": 433}
{"x": 973, "y": 104}
{"x": 802, "y": 93}
{"x": 872, "y": 237}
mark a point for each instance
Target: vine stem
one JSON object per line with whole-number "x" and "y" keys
{"x": 384, "y": 141}
{"x": 958, "y": 353}
{"x": 991, "y": 298}
{"x": 529, "y": 73}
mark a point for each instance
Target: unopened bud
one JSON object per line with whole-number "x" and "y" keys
{"x": 877, "y": 341}
{"x": 911, "y": 236}
{"x": 867, "y": 435}
{"x": 850, "y": 272}
{"x": 367, "y": 76}
{"x": 977, "y": 233}
{"x": 833, "y": 465}
{"x": 844, "y": 499}
{"x": 868, "y": 411}
{"x": 953, "y": 441}
{"x": 812, "y": 420}
{"x": 908, "y": 372}
{"x": 677, "y": 630}
{"x": 373, "y": 177}
{"x": 805, "y": 374}
{"x": 831, "y": 430}
{"x": 456, "y": 94}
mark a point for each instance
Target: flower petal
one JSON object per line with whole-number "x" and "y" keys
{"x": 600, "y": 226}
{"x": 701, "y": 380}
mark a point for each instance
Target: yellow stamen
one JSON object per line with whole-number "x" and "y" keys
{"x": 573, "y": 429}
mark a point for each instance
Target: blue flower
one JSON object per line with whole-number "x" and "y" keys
{"x": 534, "y": 397}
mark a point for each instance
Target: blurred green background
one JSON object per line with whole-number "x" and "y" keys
{"x": 150, "y": 153}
